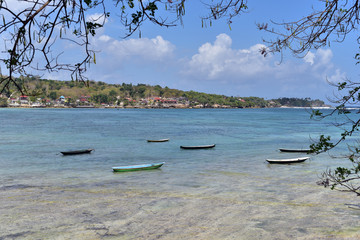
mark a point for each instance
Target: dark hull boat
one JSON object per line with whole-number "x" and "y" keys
{"x": 159, "y": 140}
{"x": 295, "y": 150}
{"x": 198, "y": 147}
{"x": 75, "y": 152}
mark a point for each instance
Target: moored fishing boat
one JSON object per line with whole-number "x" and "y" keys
{"x": 288, "y": 160}
{"x": 74, "y": 152}
{"x": 159, "y": 140}
{"x": 294, "y": 150}
{"x": 138, "y": 167}
{"x": 198, "y": 147}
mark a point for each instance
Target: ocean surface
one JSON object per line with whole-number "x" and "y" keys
{"x": 228, "y": 192}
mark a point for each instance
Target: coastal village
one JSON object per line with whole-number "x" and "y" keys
{"x": 24, "y": 101}
{"x": 86, "y": 102}
{"x": 43, "y": 93}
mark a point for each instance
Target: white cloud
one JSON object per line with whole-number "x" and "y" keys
{"x": 104, "y": 38}
{"x": 214, "y": 60}
{"x": 323, "y": 67}
{"x": 219, "y": 66}
{"x": 325, "y": 55}
{"x": 155, "y": 49}
{"x": 16, "y": 6}
{"x": 323, "y": 60}
{"x": 309, "y": 58}
{"x": 131, "y": 60}
{"x": 337, "y": 77}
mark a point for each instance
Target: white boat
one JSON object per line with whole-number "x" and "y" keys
{"x": 288, "y": 160}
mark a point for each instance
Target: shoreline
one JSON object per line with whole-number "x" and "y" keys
{"x": 136, "y": 107}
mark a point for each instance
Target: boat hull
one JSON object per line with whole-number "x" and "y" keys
{"x": 83, "y": 151}
{"x": 159, "y": 140}
{"x": 295, "y": 150}
{"x": 198, "y": 147}
{"x": 287, "y": 161}
{"x": 137, "y": 167}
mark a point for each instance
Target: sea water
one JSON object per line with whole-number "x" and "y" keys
{"x": 228, "y": 192}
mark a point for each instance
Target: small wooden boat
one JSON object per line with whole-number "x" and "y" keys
{"x": 294, "y": 150}
{"x": 288, "y": 160}
{"x": 82, "y": 151}
{"x": 159, "y": 140}
{"x": 137, "y": 167}
{"x": 198, "y": 147}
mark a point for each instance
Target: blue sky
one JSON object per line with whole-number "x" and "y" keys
{"x": 216, "y": 59}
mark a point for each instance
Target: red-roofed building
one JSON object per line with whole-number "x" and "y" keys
{"x": 24, "y": 99}
{"x": 84, "y": 99}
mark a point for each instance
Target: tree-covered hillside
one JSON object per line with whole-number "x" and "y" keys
{"x": 129, "y": 94}
{"x": 299, "y": 102}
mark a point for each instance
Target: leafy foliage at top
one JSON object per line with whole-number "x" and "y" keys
{"x": 31, "y": 31}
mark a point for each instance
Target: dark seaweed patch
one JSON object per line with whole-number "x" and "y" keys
{"x": 15, "y": 235}
{"x": 16, "y": 186}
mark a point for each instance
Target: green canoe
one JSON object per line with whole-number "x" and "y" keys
{"x": 198, "y": 147}
{"x": 137, "y": 167}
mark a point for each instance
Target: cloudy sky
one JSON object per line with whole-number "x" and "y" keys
{"x": 216, "y": 59}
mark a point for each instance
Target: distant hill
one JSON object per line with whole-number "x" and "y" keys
{"x": 114, "y": 94}
{"x": 299, "y": 102}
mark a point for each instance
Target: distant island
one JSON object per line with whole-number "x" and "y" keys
{"x": 93, "y": 94}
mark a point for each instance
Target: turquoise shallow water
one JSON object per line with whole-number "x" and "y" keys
{"x": 31, "y": 139}
{"x": 226, "y": 192}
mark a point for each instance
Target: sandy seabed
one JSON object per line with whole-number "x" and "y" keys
{"x": 112, "y": 211}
